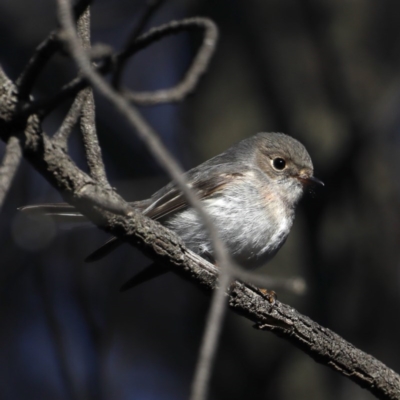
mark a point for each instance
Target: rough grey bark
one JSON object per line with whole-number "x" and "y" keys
{"x": 164, "y": 246}
{"x": 110, "y": 212}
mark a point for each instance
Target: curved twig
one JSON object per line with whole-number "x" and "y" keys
{"x": 151, "y": 7}
{"x": 196, "y": 70}
{"x": 148, "y": 135}
{"x": 42, "y": 55}
{"x": 164, "y": 246}
{"x": 46, "y": 106}
{"x": 51, "y": 160}
{"x": 174, "y": 94}
{"x": 35, "y": 65}
{"x": 57, "y": 335}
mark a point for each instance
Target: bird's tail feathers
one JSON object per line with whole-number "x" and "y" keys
{"x": 60, "y": 212}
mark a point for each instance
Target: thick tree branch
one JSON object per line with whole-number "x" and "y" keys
{"x": 226, "y": 266}
{"x": 110, "y": 212}
{"x": 323, "y": 345}
{"x": 217, "y": 310}
{"x": 164, "y": 246}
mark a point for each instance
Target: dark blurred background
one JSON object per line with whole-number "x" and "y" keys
{"x": 323, "y": 71}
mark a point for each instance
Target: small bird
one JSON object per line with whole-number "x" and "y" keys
{"x": 250, "y": 192}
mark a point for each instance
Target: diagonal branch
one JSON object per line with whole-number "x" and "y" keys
{"x": 51, "y": 160}
{"x": 35, "y": 65}
{"x": 217, "y": 310}
{"x": 88, "y": 124}
{"x": 8, "y": 168}
{"x": 164, "y": 246}
{"x": 94, "y": 157}
{"x": 177, "y": 93}
{"x": 42, "y": 55}
{"x": 72, "y": 117}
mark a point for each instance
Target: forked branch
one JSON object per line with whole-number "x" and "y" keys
{"x": 110, "y": 212}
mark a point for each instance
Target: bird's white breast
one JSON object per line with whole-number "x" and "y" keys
{"x": 252, "y": 220}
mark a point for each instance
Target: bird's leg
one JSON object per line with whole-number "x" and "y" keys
{"x": 269, "y": 295}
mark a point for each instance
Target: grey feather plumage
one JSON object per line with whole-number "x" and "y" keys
{"x": 250, "y": 201}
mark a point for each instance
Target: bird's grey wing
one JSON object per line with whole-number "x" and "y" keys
{"x": 170, "y": 199}
{"x": 204, "y": 182}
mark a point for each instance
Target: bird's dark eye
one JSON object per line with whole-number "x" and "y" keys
{"x": 279, "y": 163}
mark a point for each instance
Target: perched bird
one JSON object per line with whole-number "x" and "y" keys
{"x": 250, "y": 192}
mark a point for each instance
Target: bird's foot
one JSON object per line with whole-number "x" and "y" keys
{"x": 268, "y": 295}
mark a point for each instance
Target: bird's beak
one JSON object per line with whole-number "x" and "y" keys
{"x": 315, "y": 181}
{"x": 310, "y": 180}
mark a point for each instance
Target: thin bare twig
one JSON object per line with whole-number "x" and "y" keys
{"x": 35, "y": 65}
{"x": 94, "y": 157}
{"x": 320, "y": 343}
{"x": 88, "y": 120}
{"x": 177, "y": 93}
{"x": 151, "y": 7}
{"x": 68, "y": 91}
{"x": 163, "y": 246}
{"x": 215, "y": 319}
{"x": 46, "y": 106}
{"x": 8, "y": 168}
{"x": 42, "y": 55}
{"x": 209, "y": 343}
{"x": 196, "y": 70}
{"x": 72, "y": 117}
{"x": 149, "y": 136}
